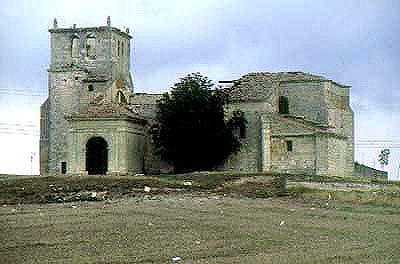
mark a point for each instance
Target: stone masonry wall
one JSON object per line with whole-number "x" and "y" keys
{"x": 340, "y": 117}
{"x": 301, "y": 159}
{"x": 96, "y": 64}
{"x": 305, "y": 99}
{"x": 250, "y": 158}
{"x": 124, "y": 138}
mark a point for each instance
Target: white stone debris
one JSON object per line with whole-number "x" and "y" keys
{"x": 147, "y": 189}
{"x": 187, "y": 183}
{"x": 282, "y": 223}
{"x": 176, "y": 258}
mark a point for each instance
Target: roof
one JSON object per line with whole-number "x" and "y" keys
{"x": 107, "y": 111}
{"x": 295, "y": 76}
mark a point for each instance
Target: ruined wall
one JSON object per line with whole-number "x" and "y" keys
{"x": 253, "y": 87}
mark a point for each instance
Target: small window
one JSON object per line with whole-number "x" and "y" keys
{"x": 90, "y": 88}
{"x": 283, "y": 105}
{"x": 64, "y": 167}
{"x": 121, "y": 98}
{"x": 118, "y": 48}
{"x": 289, "y": 145}
{"x": 122, "y": 48}
{"x": 242, "y": 131}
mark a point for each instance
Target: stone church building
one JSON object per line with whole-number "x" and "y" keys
{"x": 93, "y": 123}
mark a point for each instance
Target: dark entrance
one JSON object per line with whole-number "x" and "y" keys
{"x": 96, "y": 156}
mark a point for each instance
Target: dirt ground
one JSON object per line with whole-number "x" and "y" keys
{"x": 199, "y": 228}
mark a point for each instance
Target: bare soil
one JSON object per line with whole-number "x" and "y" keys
{"x": 200, "y": 227}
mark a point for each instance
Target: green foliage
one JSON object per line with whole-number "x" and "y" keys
{"x": 191, "y": 131}
{"x": 383, "y": 157}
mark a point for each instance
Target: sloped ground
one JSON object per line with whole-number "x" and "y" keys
{"x": 52, "y": 189}
{"x": 200, "y": 225}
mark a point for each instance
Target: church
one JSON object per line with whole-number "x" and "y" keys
{"x": 94, "y": 123}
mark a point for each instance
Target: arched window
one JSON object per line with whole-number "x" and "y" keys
{"x": 91, "y": 46}
{"x": 121, "y": 99}
{"x": 118, "y": 50}
{"x": 75, "y": 43}
{"x": 283, "y": 105}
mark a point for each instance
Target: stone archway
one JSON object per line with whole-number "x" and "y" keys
{"x": 96, "y": 156}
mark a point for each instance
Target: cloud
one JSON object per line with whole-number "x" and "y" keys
{"x": 352, "y": 42}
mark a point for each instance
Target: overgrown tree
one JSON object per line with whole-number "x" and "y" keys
{"x": 192, "y": 131}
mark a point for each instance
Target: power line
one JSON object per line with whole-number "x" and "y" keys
{"x": 18, "y": 129}
{"x": 22, "y": 93}
{"x": 17, "y": 124}
{"x": 20, "y": 133}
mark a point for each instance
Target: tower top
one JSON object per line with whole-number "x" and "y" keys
{"x": 109, "y": 21}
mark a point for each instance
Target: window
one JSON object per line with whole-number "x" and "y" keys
{"x": 289, "y": 145}
{"x": 118, "y": 49}
{"x": 121, "y": 99}
{"x": 64, "y": 167}
{"x": 122, "y": 48}
{"x": 75, "y": 47}
{"x": 90, "y": 88}
{"x": 91, "y": 46}
{"x": 242, "y": 131}
{"x": 283, "y": 105}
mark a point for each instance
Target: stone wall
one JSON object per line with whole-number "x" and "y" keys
{"x": 306, "y": 99}
{"x": 363, "y": 171}
{"x": 125, "y": 139}
{"x": 301, "y": 157}
{"x": 44, "y": 137}
{"x": 250, "y": 158}
{"x": 81, "y": 76}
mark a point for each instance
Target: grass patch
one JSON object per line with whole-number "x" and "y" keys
{"x": 376, "y": 198}
{"x": 340, "y": 179}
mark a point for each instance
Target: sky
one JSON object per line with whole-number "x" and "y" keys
{"x": 352, "y": 42}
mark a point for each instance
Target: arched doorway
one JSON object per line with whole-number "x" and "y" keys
{"x": 96, "y": 156}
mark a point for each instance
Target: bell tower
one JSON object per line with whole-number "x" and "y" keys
{"x": 88, "y": 65}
